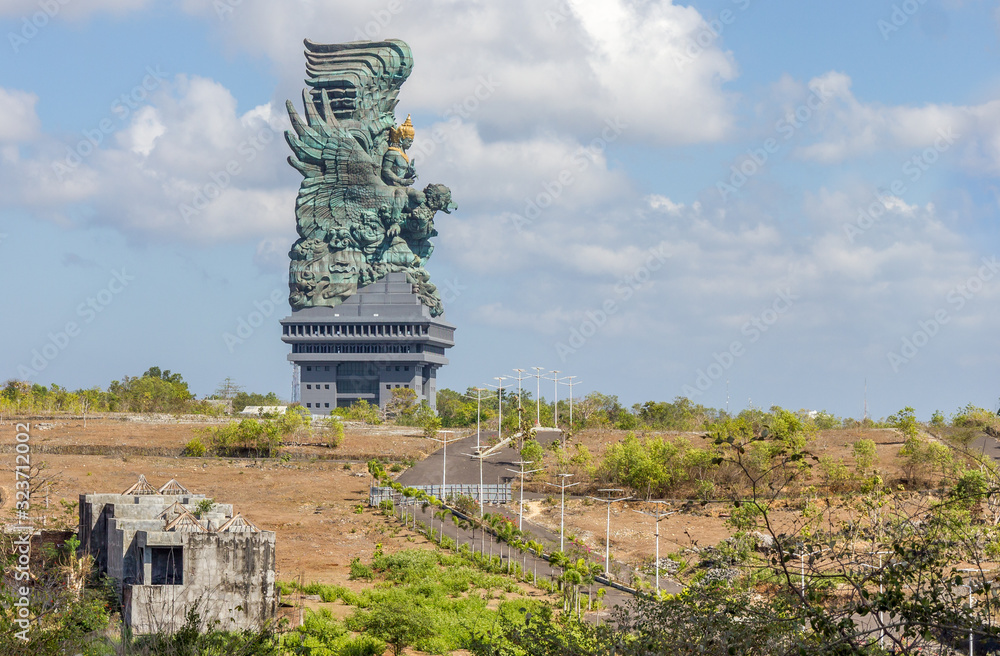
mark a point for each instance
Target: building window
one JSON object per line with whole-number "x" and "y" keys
{"x": 309, "y": 386}
{"x": 167, "y": 564}
{"x": 309, "y": 368}
{"x": 406, "y": 368}
{"x": 326, "y": 368}
{"x": 388, "y": 386}
{"x": 326, "y": 386}
{"x": 309, "y": 405}
{"x": 397, "y": 369}
{"x": 326, "y": 405}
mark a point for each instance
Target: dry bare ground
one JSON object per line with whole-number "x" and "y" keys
{"x": 312, "y": 501}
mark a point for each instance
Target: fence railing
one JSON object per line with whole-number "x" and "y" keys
{"x": 493, "y": 493}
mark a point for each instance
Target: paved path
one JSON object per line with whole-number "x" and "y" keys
{"x": 462, "y": 468}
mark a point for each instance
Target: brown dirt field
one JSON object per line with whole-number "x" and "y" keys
{"x": 310, "y": 503}
{"x": 164, "y": 435}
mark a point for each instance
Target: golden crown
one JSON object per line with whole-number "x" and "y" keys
{"x": 404, "y": 131}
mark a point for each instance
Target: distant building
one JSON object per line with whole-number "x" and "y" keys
{"x": 380, "y": 339}
{"x": 261, "y": 410}
{"x": 165, "y": 560}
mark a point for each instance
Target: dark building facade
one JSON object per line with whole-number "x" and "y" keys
{"x": 380, "y": 339}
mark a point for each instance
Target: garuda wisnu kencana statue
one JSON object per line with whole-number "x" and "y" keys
{"x": 359, "y": 215}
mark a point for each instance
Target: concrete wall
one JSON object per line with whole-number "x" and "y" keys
{"x": 222, "y": 571}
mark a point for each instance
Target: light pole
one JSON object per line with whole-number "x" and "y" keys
{"x": 479, "y": 408}
{"x": 555, "y": 404}
{"x": 562, "y": 511}
{"x": 480, "y": 457}
{"x": 969, "y": 586}
{"x": 571, "y": 383}
{"x": 607, "y": 530}
{"x": 444, "y": 460}
{"x": 520, "y": 377}
{"x": 802, "y": 567}
{"x": 500, "y": 388}
{"x": 538, "y": 395}
{"x": 520, "y": 507}
{"x": 658, "y": 518}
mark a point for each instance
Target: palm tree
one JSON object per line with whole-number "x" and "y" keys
{"x": 537, "y": 548}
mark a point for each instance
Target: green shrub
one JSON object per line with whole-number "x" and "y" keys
{"x": 361, "y": 571}
{"x": 194, "y": 448}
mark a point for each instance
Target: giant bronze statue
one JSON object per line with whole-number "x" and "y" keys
{"x": 359, "y": 215}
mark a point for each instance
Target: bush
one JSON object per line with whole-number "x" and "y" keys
{"x": 865, "y": 455}
{"x": 194, "y": 448}
{"x": 334, "y": 432}
{"x": 360, "y": 571}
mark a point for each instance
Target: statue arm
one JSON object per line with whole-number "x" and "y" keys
{"x": 389, "y": 176}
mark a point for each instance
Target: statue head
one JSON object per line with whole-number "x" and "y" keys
{"x": 438, "y": 198}
{"x": 402, "y": 135}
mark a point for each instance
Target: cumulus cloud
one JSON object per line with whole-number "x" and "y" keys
{"x": 847, "y": 128}
{"x": 185, "y": 167}
{"x": 18, "y": 121}
{"x": 569, "y": 68}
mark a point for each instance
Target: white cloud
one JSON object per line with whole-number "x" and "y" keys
{"x": 18, "y": 121}
{"x": 185, "y": 167}
{"x": 598, "y": 60}
{"x": 848, "y": 128}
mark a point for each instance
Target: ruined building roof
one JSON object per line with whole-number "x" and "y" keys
{"x": 141, "y": 486}
{"x": 173, "y": 487}
{"x": 185, "y": 523}
{"x": 238, "y": 524}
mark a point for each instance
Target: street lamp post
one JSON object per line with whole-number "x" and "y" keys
{"x": 970, "y": 570}
{"x": 480, "y": 457}
{"x": 520, "y": 507}
{"x": 607, "y": 530}
{"x": 520, "y": 377}
{"x": 658, "y": 518}
{"x": 802, "y": 567}
{"x": 562, "y": 510}
{"x": 444, "y": 460}
{"x": 571, "y": 383}
{"x": 500, "y": 388}
{"x": 538, "y": 395}
{"x": 479, "y": 408}
{"x": 555, "y": 403}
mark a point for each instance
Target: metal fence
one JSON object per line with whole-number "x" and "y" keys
{"x": 494, "y": 494}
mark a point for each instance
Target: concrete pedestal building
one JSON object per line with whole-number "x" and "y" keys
{"x": 380, "y": 339}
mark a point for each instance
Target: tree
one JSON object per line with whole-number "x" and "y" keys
{"x": 431, "y": 426}
{"x": 227, "y": 390}
{"x": 402, "y": 405}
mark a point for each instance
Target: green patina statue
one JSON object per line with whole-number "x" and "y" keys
{"x": 358, "y": 215}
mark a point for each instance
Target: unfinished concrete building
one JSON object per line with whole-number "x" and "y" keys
{"x": 170, "y": 550}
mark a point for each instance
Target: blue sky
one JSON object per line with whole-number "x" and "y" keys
{"x": 856, "y": 245}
